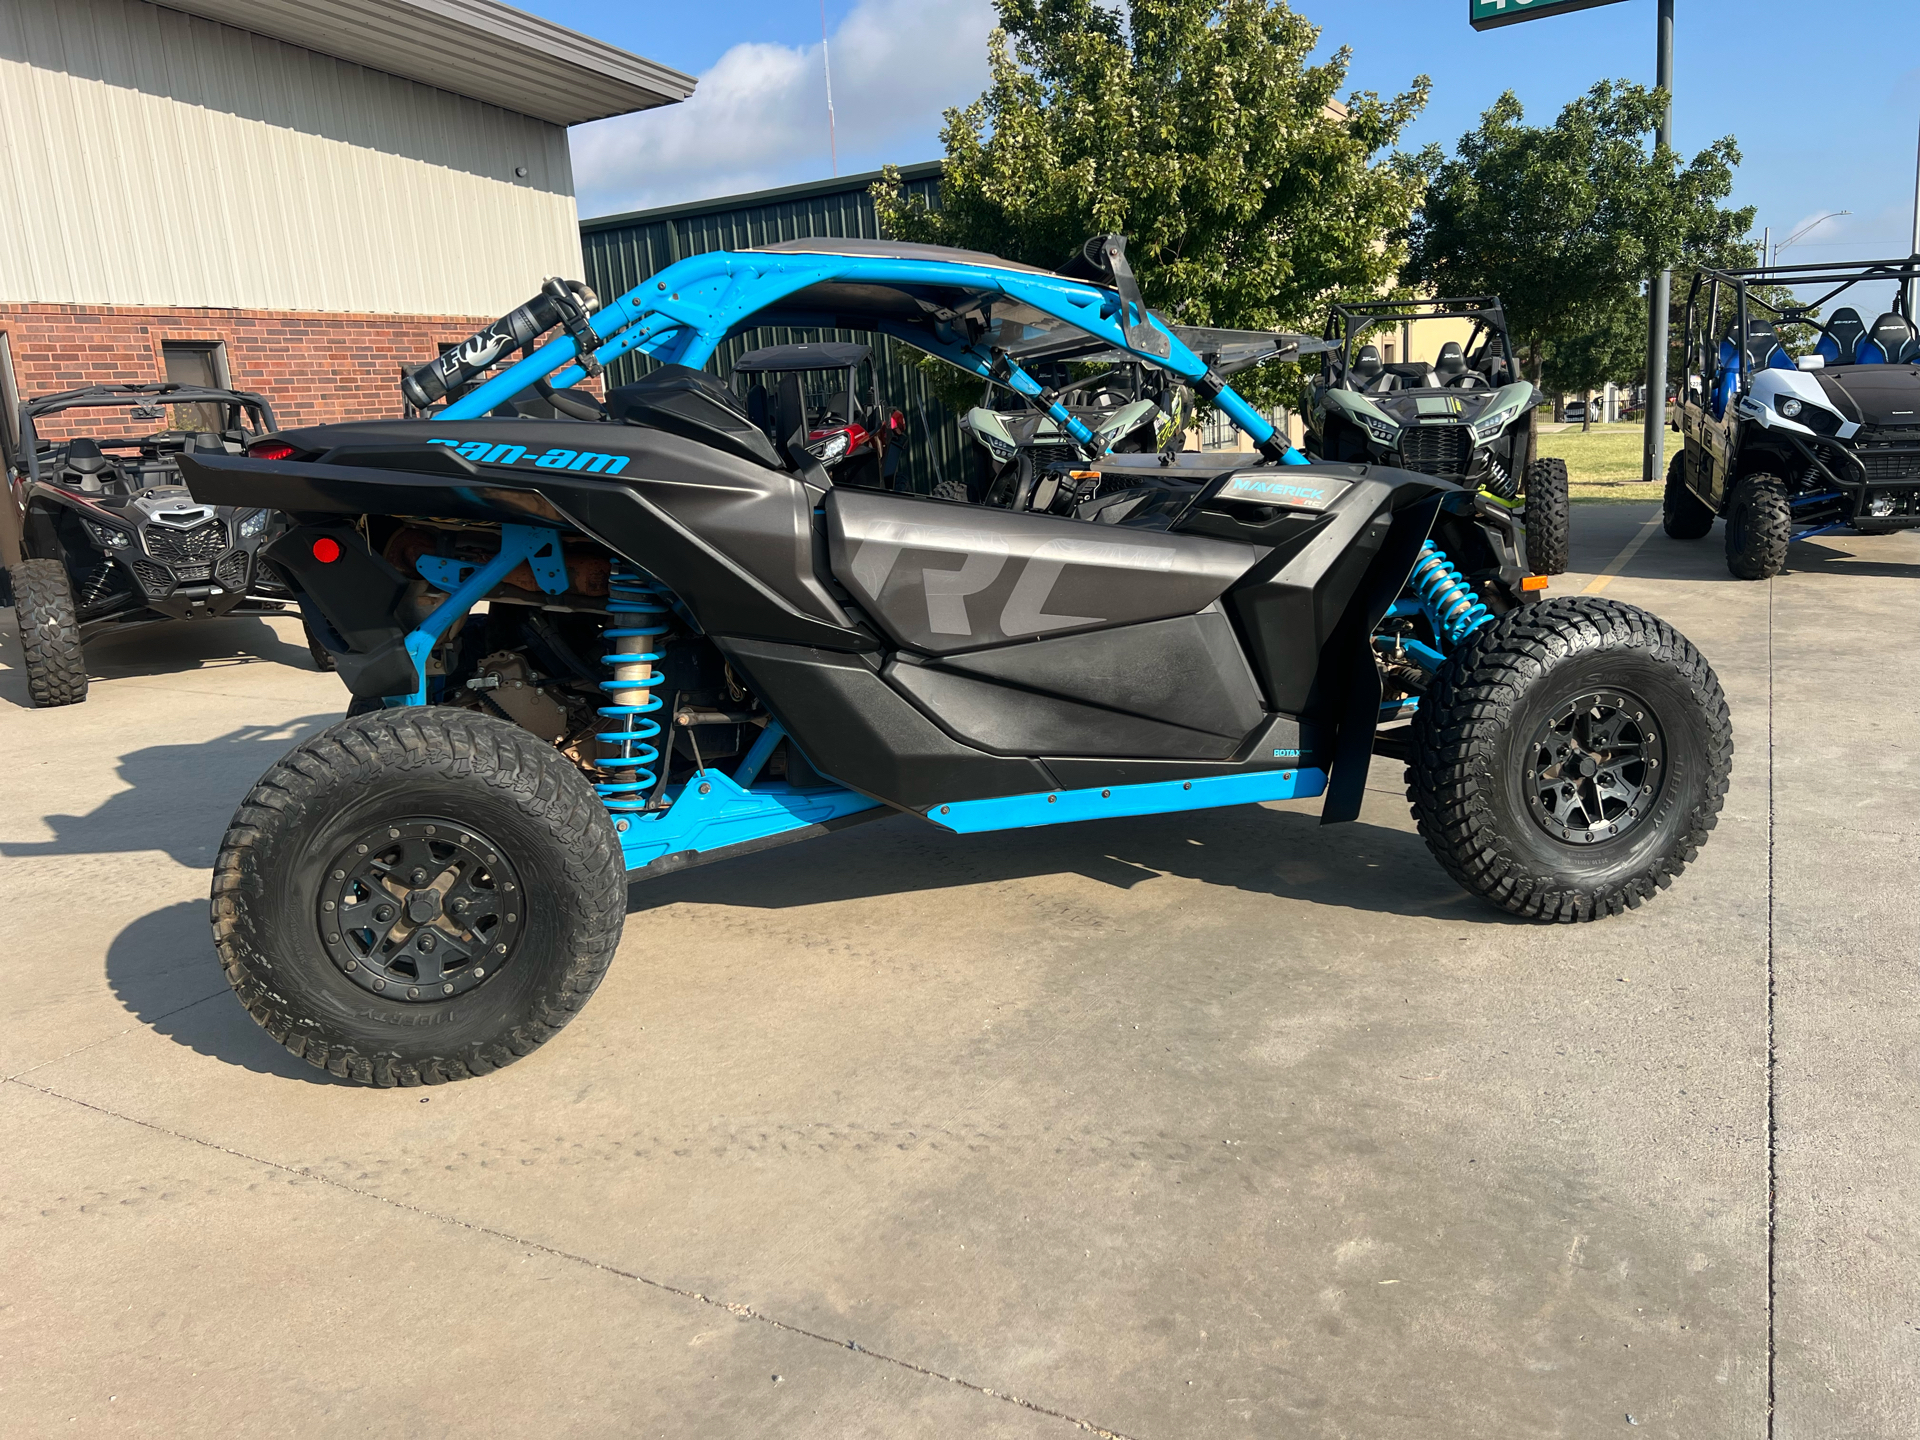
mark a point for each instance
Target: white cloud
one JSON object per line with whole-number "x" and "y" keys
{"x": 759, "y": 116}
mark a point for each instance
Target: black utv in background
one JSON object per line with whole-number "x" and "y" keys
{"x": 98, "y": 533}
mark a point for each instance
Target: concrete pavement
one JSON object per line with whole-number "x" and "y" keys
{"x": 1218, "y": 1124}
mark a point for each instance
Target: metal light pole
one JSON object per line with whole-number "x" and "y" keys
{"x": 1912, "y": 283}
{"x": 1660, "y": 292}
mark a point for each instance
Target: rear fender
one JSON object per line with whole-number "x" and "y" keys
{"x": 358, "y": 594}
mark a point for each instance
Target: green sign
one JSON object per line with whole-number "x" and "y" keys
{"x": 1490, "y": 14}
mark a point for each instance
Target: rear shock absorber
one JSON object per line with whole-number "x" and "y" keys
{"x": 634, "y": 602}
{"x": 1454, "y": 611}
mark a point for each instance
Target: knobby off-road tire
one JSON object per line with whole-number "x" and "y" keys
{"x": 1549, "y": 517}
{"x": 1683, "y": 515}
{"x": 49, "y": 633}
{"x": 1759, "y": 525}
{"x": 1499, "y": 703}
{"x": 540, "y": 892}
{"x": 949, "y": 490}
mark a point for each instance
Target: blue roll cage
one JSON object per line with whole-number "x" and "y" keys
{"x": 681, "y": 315}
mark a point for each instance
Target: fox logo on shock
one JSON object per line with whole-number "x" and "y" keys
{"x": 489, "y": 452}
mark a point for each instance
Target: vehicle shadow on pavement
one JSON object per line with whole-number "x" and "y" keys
{"x": 1705, "y": 561}
{"x": 163, "y": 968}
{"x": 162, "y": 649}
{"x": 180, "y": 799}
{"x": 1285, "y": 854}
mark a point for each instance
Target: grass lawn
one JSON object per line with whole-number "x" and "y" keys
{"x": 1603, "y": 464}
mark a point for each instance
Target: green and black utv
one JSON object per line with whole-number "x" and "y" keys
{"x": 1466, "y": 417}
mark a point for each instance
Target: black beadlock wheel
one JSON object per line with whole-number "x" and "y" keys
{"x": 1549, "y": 517}
{"x": 1570, "y": 759}
{"x": 1759, "y": 525}
{"x": 49, "y": 632}
{"x": 418, "y": 895}
{"x": 1683, "y": 514}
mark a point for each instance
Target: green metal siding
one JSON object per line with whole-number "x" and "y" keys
{"x": 622, "y": 251}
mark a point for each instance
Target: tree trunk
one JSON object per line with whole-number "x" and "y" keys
{"x": 1586, "y": 412}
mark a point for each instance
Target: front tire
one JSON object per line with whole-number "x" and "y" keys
{"x": 1569, "y": 759}
{"x": 49, "y": 633}
{"x": 418, "y": 895}
{"x": 1683, "y": 514}
{"x": 1549, "y": 517}
{"x": 1759, "y": 525}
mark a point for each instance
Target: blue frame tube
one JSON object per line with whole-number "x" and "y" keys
{"x": 684, "y": 312}
{"x": 517, "y": 543}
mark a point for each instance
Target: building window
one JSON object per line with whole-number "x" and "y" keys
{"x": 196, "y": 362}
{"x": 1386, "y": 353}
{"x": 10, "y": 403}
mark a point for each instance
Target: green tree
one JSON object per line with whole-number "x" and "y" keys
{"x": 1196, "y": 128}
{"x": 1566, "y": 222}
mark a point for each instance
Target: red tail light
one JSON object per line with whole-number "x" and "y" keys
{"x": 269, "y": 450}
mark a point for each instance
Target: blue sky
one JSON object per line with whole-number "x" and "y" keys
{"x": 1822, "y": 121}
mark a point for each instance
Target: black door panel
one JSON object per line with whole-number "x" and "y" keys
{"x": 1007, "y": 721}
{"x": 1188, "y": 671}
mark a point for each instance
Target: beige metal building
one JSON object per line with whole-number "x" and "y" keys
{"x": 290, "y": 196}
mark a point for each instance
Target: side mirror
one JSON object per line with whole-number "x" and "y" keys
{"x": 1810, "y": 362}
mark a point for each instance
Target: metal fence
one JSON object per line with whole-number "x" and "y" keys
{"x": 624, "y": 250}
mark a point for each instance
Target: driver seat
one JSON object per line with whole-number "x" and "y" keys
{"x": 1366, "y": 366}
{"x": 1450, "y": 368}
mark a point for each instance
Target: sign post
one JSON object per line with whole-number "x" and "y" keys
{"x": 1490, "y": 15}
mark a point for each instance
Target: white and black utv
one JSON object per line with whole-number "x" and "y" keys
{"x": 98, "y": 533}
{"x": 1785, "y": 447}
{"x": 1466, "y": 417}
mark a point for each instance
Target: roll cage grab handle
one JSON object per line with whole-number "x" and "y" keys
{"x": 681, "y": 315}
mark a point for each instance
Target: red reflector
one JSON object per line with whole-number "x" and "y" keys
{"x": 326, "y": 549}
{"x": 269, "y": 450}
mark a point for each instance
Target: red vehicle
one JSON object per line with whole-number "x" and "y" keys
{"x": 854, "y": 440}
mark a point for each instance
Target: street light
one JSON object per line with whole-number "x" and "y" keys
{"x": 1817, "y": 220}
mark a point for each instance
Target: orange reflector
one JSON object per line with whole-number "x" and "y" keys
{"x": 1534, "y": 582}
{"x": 1083, "y": 474}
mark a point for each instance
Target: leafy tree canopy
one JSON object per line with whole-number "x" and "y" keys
{"x": 1566, "y": 223}
{"x": 1196, "y": 128}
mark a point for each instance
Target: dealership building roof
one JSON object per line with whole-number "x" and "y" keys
{"x": 477, "y": 48}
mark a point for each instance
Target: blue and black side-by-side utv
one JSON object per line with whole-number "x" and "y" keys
{"x": 588, "y": 650}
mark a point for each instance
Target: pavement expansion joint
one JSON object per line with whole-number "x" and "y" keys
{"x": 117, "y": 1035}
{"x": 1773, "y": 1128}
{"x": 739, "y": 1311}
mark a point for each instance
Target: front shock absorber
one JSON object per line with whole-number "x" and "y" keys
{"x": 1498, "y": 482}
{"x": 634, "y": 602}
{"x": 1454, "y": 611}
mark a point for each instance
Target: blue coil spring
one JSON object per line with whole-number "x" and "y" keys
{"x": 633, "y": 600}
{"x": 1451, "y": 605}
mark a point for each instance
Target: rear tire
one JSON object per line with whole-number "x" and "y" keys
{"x": 1549, "y": 517}
{"x": 509, "y": 836}
{"x": 1759, "y": 525}
{"x": 950, "y": 490}
{"x": 1683, "y": 515}
{"x": 1522, "y": 688}
{"x": 49, "y": 633}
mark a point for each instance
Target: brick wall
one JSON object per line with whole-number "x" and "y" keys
{"x": 312, "y": 367}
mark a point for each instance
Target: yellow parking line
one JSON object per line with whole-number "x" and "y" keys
{"x": 1621, "y": 561}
